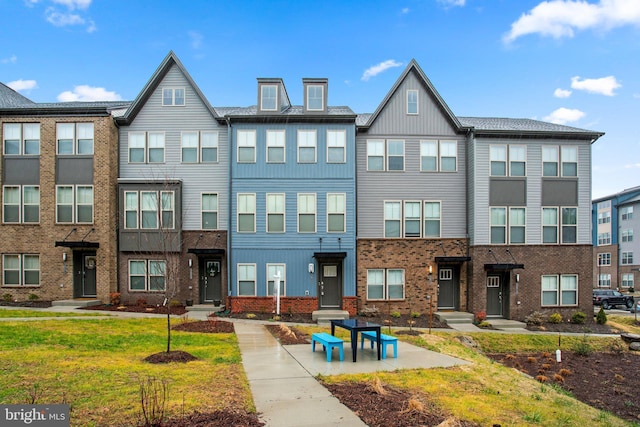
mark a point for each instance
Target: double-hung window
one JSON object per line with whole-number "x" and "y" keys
{"x": 336, "y": 212}
{"x": 385, "y": 284}
{"x": 375, "y": 155}
{"x": 429, "y": 156}
{"x": 21, "y": 139}
{"x": 604, "y": 238}
{"x": 21, "y": 204}
{"x": 147, "y": 275}
{"x": 392, "y": 219}
{"x": 246, "y": 213}
{"x": 517, "y": 160}
{"x": 626, "y": 213}
{"x": 569, "y": 157}
{"x": 275, "y": 213}
{"x": 448, "y": 156}
{"x": 517, "y": 225}
{"x": 307, "y": 146}
{"x": 559, "y": 290}
{"x": 550, "y": 159}
{"x": 275, "y": 146}
{"x": 269, "y": 98}
{"x": 146, "y": 147}
{"x": 604, "y": 217}
{"x": 604, "y": 259}
{"x": 499, "y": 226}
{"x": 131, "y": 209}
{"x": 498, "y": 159}
{"x": 550, "y": 225}
{"x": 74, "y": 204}
{"x": 412, "y": 218}
{"x": 438, "y": 156}
{"x": 246, "y": 279}
{"x": 627, "y": 235}
{"x": 627, "y": 280}
{"x": 149, "y": 209}
{"x": 315, "y": 97}
{"x": 20, "y": 270}
{"x": 627, "y": 258}
{"x": 246, "y": 146}
{"x": 431, "y": 219}
{"x": 209, "y": 211}
{"x": 395, "y": 155}
{"x": 199, "y": 147}
{"x": 167, "y": 209}
{"x": 173, "y": 97}
{"x": 272, "y": 270}
{"x": 307, "y": 213}
{"x": 336, "y": 146}
{"x": 569, "y": 225}
{"x": 604, "y": 280}
{"x": 74, "y": 138}
{"x": 412, "y": 101}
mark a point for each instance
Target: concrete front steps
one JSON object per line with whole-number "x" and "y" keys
{"x": 324, "y": 317}
{"x": 210, "y": 308}
{"x": 464, "y": 321}
{"x": 77, "y": 302}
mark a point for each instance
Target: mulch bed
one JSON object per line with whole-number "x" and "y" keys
{"x": 170, "y": 357}
{"x": 383, "y": 405}
{"x": 587, "y": 328}
{"x": 177, "y": 310}
{"x": 27, "y": 304}
{"x": 225, "y": 418}
{"x": 288, "y": 335}
{"x": 212, "y": 326}
{"x": 607, "y": 381}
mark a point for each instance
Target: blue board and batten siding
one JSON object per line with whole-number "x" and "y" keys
{"x": 295, "y": 250}
{"x": 197, "y": 178}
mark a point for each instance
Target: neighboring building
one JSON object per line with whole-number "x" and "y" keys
{"x": 59, "y": 180}
{"x": 292, "y": 202}
{"x": 497, "y": 209}
{"x": 615, "y": 265}
{"x": 172, "y": 193}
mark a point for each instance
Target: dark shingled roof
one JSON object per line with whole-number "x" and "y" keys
{"x": 294, "y": 110}
{"x": 9, "y": 98}
{"x": 518, "y": 125}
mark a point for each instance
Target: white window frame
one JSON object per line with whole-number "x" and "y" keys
{"x": 498, "y": 156}
{"x": 271, "y": 270}
{"x": 628, "y": 280}
{"x": 246, "y": 207}
{"x": 209, "y": 140}
{"x": 137, "y": 138}
{"x": 307, "y": 139}
{"x": 416, "y": 217}
{"x": 313, "y": 97}
{"x": 155, "y": 142}
{"x": 517, "y": 154}
{"x": 569, "y": 156}
{"x": 496, "y": 225}
{"x": 276, "y": 206}
{"x": 150, "y": 273}
{"x": 564, "y": 225}
{"x": 412, "y": 102}
{"x": 336, "y": 141}
{"x": 376, "y": 150}
{"x": 21, "y": 270}
{"x": 128, "y": 208}
{"x": 551, "y": 155}
{"x": 604, "y": 239}
{"x": 246, "y": 140}
{"x": 189, "y": 144}
{"x": 626, "y": 213}
{"x": 392, "y": 212}
{"x": 27, "y": 134}
{"x": 78, "y": 205}
{"x": 626, "y": 258}
{"x": 513, "y": 216}
{"x": 263, "y": 98}
{"x": 448, "y": 149}
{"x": 242, "y": 269}
{"x": 386, "y": 285}
{"x": 173, "y": 100}
{"x": 427, "y": 218}
{"x": 555, "y": 226}
{"x": 604, "y": 280}
{"x": 428, "y": 151}
{"x": 337, "y": 207}
{"x": 163, "y": 197}
{"x": 71, "y": 206}
{"x": 276, "y": 139}
{"x": 307, "y": 204}
{"x": 21, "y": 204}
{"x": 627, "y": 235}
{"x": 204, "y": 211}
{"x": 604, "y": 259}
{"x": 389, "y": 144}
{"x": 143, "y": 210}
{"x": 79, "y": 132}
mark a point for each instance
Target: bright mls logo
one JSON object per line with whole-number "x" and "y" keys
{"x": 34, "y": 415}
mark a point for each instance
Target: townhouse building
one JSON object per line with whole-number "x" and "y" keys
{"x": 613, "y": 242}
{"x": 173, "y": 185}
{"x": 292, "y": 220}
{"x": 59, "y": 175}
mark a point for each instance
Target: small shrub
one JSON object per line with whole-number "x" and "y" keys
{"x": 484, "y": 324}
{"x": 251, "y": 316}
{"x": 509, "y": 357}
{"x": 579, "y": 317}
{"x": 558, "y": 378}
{"x": 7, "y": 297}
{"x": 535, "y": 319}
{"x": 33, "y": 297}
{"x": 631, "y": 290}
{"x": 531, "y": 359}
{"x": 480, "y": 317}
{"x": 114, "y": 297}
{"x": 275, "y": 318}
{"x": 601, "y": 317}
{"x": 415, "y": 314}
{"x": 583, "y": 348}
{"x": 396, "y": 314}
{"x": 542, "y": 378}
{"x": 555, "y": 318}
{"x": 546, "y": 366}
{"x": 174, "y": 303}
{"x": 565, "y": 372}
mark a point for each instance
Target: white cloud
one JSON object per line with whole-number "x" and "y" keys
{"x": 74, "y": 4}
{"x": 10, "y": 60}
{"x": 632, "y": 166}
{"x": 196, "y": 39}
{"x": 374, "y": 70}
{"x": 562, "y": 18}
{"x": 451, "y": 3}
{"x": 562, "y": 93}
{"x": 63, "y": 19}
{"x": 85, "y": 93}
{"x": 404, "y": 11}
{"x": 563, "y": 116}
{"x": 20, "y": 85}
{"x": 602, "y": 86}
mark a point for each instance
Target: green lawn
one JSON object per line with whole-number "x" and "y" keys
{"x": 6, "y": 313}
{"x": 97, "y": 367}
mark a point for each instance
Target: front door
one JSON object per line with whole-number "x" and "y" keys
{"x": 494, "y": 296}
{"x": 330, "y": 285}
{"x": 84, "y": 278}
{"x": 446, "y": 289}
{"x": 210, "y": 281}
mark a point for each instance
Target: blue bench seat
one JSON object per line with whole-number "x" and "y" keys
{"x": 328, "y": 342}
{"x": 384, "y": 341}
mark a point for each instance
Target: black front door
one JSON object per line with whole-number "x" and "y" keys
{"x": 447, "y": 288}
{"x": 494, "y": 296}
{"x": 330, "y": 285}
{"x": 210, "y": 280}
{"x": 84, "y": 274}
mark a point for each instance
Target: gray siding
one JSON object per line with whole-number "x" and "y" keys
{"x": 429, "y": 120}
{"x": 196, "y": 178}
{"x": 21, "y": 170}
{"x": 480, "y": 195}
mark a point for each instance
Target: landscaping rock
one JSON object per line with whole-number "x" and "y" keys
{"x": 635, "y": 346}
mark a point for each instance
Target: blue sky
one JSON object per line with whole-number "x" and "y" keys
{"x": 565, "y": 61}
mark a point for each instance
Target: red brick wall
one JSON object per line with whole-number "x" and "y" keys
{"x": 287, "y": 304}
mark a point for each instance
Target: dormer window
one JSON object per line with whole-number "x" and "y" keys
{"x": 172, "y": 97}
{"x": 315, "y": 97}
{"x": 269, "y": 98}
